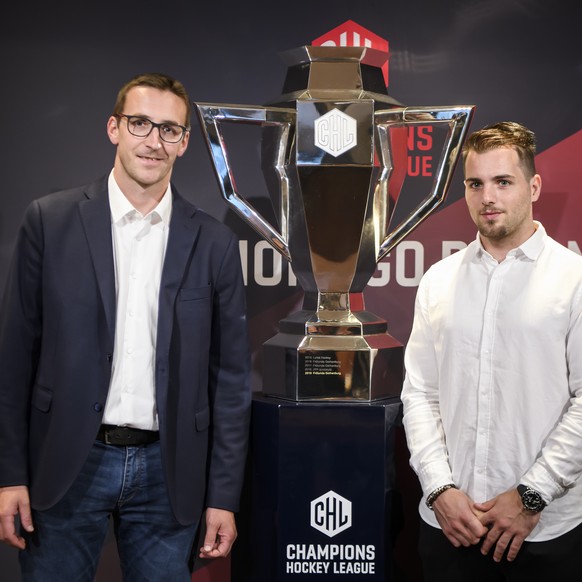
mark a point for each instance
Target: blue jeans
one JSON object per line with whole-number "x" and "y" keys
{"x": 127, "y": 484}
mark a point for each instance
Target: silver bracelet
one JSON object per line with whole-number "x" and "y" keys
{"x": 431, "y": 498}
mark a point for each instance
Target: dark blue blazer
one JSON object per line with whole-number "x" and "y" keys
{"x": 57, "y": 328}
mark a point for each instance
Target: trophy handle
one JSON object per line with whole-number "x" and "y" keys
{"x": 211, "y": 117}
{"x": 458, "y": 119}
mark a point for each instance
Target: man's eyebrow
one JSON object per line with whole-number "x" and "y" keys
{"x": 148, "y": 118}
{"x": 495, "y": 178}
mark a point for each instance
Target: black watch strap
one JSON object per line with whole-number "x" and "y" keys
{"x": 530, "y": 498}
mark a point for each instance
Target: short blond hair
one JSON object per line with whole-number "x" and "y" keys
{"x": 505, "y": 134}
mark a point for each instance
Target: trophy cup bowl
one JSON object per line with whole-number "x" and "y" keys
{"x": 334, "y": 158}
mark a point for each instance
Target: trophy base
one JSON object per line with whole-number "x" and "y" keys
{"x": 346, "y": 368}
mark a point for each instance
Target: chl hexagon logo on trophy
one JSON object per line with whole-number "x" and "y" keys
{"x": 336, "y": 132}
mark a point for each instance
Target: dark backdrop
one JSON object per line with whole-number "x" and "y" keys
{"x": 63, "y": 64}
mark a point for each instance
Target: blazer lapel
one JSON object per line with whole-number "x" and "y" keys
{"x": 96, "y": 217}
{"x": 184, "y": 230}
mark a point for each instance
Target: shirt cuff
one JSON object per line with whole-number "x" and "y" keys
{"x": 541, "y": 480}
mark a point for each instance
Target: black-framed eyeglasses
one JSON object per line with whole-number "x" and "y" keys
{"x": 142, "y": 127}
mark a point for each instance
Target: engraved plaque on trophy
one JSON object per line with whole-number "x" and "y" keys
{"x": 334, "y": 157}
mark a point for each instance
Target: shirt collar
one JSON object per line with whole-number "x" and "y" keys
{"x": 121, "y": 207}
{"x": 531, "y": 248}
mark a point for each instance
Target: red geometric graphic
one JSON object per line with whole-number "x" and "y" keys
{"x": 559, "y": 207}
{"x": 352, "y": 34}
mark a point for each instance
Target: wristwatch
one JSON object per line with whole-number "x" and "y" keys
{"x": 530, "y": 498}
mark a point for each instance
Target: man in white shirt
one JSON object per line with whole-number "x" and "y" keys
{"x": 124, "y": 364}
{"x": 493, "y": 391}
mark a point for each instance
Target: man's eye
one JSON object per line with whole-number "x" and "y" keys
{"x": 171, "y": 129}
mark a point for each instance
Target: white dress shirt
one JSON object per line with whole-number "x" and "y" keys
{"x": 139, "y": 246}
{"x": 493, "y": 390}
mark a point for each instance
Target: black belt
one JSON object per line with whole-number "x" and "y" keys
{"x": 126, "y": 436}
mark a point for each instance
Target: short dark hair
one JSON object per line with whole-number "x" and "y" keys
{"x": 505, "y": 134}
{"x": 156, "y": 81}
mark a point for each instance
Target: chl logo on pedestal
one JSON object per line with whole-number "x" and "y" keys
{"x": 331, "y": 513}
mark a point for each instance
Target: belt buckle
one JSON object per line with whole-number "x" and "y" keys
{"x": 106, "y": 438}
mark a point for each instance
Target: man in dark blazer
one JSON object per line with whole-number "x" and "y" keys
{"x": 124, "y": 364}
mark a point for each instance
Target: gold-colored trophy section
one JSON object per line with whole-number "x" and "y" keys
{"x": 334, "y": 157}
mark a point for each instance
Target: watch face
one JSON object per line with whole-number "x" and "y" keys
{"x": 532, "y": 500}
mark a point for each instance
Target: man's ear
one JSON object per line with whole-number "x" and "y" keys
{"x": 183, "y": 145}
{"x": 536, "y": 187}
{"x": 113, "y": 129}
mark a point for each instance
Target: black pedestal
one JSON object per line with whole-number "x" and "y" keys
{"x": 317, "y": 503}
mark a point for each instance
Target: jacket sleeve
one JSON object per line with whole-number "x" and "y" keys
{"x": 229, "y": 379}
{"x": 20, "y": 333}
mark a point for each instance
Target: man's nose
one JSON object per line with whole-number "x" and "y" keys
{"x": 153, "y": 139}
{"x": 489, "y": 194}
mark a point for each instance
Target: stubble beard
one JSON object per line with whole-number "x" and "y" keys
{"x": 492, "y": 231}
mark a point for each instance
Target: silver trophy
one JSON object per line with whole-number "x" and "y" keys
{"x": 334, "y": 155}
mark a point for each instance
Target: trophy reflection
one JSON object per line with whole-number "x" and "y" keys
{"x": 334, "y": 157}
